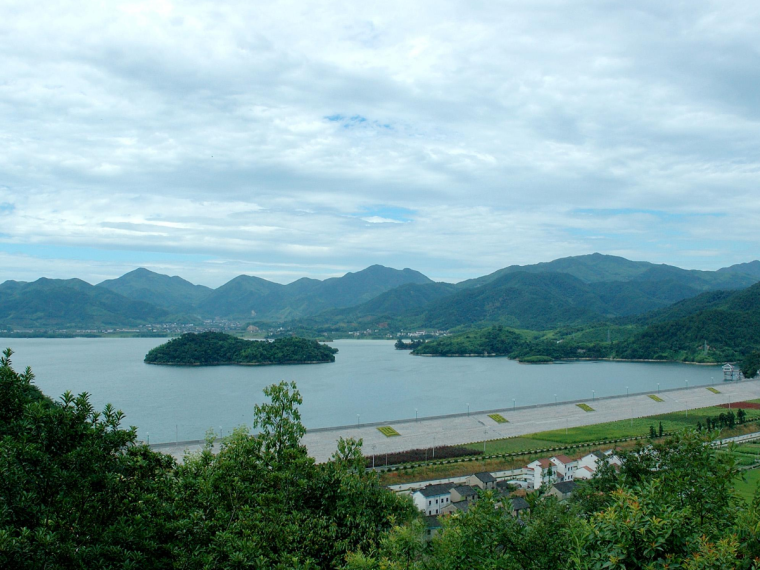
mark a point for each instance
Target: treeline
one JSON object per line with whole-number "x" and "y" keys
{"x": 735, "y": 338}
{"x": 411, "y": 345}
{"x": 79, "y": 491}
{"x": 501, "y": 341}
{"x": 211, "y": 348}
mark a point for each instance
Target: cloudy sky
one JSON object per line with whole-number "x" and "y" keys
{"x": 282, "y": 139}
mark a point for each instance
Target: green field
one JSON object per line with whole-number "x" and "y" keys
{"x": 747, "y": 486}
{"x": 611, "y": 430}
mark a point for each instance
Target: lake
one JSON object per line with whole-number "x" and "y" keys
{"x": 369, "y": 381}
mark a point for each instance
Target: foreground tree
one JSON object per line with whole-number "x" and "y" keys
{"x": 76, "y": 490}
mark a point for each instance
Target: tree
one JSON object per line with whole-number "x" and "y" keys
{"x": 652, "y": 432}
{"x": 661, "y": 430}
{"x": 77, "y": 490}
{"x": 741, "y": 415}
{"x": 280, "y": 421}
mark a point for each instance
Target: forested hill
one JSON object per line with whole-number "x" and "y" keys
{"x": 566, "y": 292}
{"x": 213, "y": 349}
{"x": 71, "y": 303}
{"x": 729, "y": 323}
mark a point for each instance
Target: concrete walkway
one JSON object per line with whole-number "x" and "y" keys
{"x": 460, "y": 429}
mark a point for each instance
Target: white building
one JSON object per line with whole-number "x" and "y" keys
{"x": 540, "y": 471}
{"x": 432, "y": 499}
{"x": 564, "y": 467}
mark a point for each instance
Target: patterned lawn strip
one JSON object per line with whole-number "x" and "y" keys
{"x": 513, "y": 445}
{"x": 656, "y": 398}
{"x": 713, "y": 390}
{"x": 585, "y": 407}
{"x": 498, "y": 418}
{"x": 388, "y": 431}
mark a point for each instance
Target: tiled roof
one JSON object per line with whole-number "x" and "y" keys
{"x": 433, "y": 490}
{"x": 485, "y": 477}
{"x": 563, "y": 459}
{"x": 519, "y": 504}
{"x": 465, "y": 490}
{"x": 566, "y": 487}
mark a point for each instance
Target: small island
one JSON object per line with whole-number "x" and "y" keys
{"x": 219, "y": 349}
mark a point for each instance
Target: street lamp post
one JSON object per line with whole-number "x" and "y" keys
{"x": 357, "y": 420}
{"x": 513, "y": 404}
{"x": 593, "y": 395}
{"x": 626, "y": 390}
{"x": 555, "y": 398}
{"x": 658, "y": 387}
{"x": 415, "y": 415}
{"x": 468, "y": 410}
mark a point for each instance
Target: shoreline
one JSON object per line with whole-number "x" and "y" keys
{"x": 198, "y": 364}
{"x": 492, "y": 355}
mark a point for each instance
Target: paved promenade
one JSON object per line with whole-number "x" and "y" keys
{"x": 459, "y": 429}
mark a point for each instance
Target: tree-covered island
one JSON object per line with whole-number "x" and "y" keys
{"x": 216, "y": 349}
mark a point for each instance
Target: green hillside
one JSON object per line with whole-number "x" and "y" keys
{"x": 172, "y": 293}
{"x": 212, "y": 349}
{"x": 252, "y": 297}
{"x": 597, "y": 267}
{"x": 71, "y": 303}
{"x": 729, "y": 325}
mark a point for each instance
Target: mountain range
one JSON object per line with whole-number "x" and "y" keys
{"x": 568, "y": 291}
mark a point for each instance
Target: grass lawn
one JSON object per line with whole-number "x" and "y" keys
{"x": 585, "y": 407}
{"x": 714, "y": 390}
{"x": 656, "y": 398}
{"x": 611, "y": 430}
{"x": 388, "y": 431}
{"x": 746, "y": 487}
{"x": 498, "y": 418}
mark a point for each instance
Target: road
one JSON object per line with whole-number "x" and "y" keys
{"x": 477, "y": 426}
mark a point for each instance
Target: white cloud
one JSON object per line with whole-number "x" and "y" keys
{"x": 256, "y": 132}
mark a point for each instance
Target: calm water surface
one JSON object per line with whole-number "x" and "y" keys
{"x": 369, "y": 378}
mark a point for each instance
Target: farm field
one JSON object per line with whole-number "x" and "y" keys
{"x": 611, "y": 430}
{"x": 747, "y": 486}
{"x": 557, "y": 438}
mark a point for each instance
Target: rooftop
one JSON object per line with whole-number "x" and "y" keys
{"x": 433, "y": 490}
{"x": 566, "y": 487}
{"x": 485, "y": 477}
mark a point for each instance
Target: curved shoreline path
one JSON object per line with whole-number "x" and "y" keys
{"x": 478, "y": 426}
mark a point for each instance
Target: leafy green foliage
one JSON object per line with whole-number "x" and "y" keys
{"x": 77, "y": 491}
{"x": 210, "y": 348}
{"x": 751, "y": 364}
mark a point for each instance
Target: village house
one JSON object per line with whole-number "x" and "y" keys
{"x": 540, "y": 472}
{"x": 518, "y": 506}
{"x": 562, "y": 490}
{"x": 564, "y": 467}
{"x": 483, "y": 480}
{"x": 432, "y": 499}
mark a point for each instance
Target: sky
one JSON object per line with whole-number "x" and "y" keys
{"x": 290, "y": 139}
